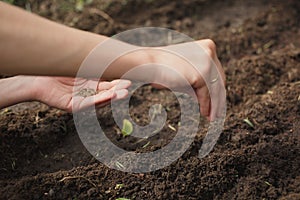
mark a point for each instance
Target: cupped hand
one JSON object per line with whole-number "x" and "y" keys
{"x": 198, "y": 63}
{"x": 59, "y": 92}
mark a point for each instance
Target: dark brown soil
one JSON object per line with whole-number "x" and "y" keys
{"x": 258, "y": 43}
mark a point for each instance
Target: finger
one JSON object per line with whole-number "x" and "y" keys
{"x": 218, "y": 102}
{"x": 100, "y": 105}
{"x": 220, "y": 69}
{"x": 121, "y": 84}
{"x": 121, "y": 94}
{"x": 218, "y": 96}
{"x": 213, "y": 112}
{"x": 104, "y": 96}
{"x": 214, "y": 90}
{"x": 104, "y": 85}
{"x": 117, "y": 84}
{"x": 204, "y": 100}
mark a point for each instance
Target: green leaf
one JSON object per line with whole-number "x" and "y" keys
{"x": 127, "y": 128}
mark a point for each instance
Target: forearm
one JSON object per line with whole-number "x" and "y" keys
{"x": 15, "y": 90}
{"x": 33, "y": 45}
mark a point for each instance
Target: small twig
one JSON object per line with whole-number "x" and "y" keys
{"x": 119, "y": 165}
{"x": 145, "y": 145}
{"x": 247, "y": 121}
{"x": 296, "y": 83}
{"x": 76, "y": 177}
{"x": 172, "y": 127}
{"x": 102, "y": 14}
{"x": 193, "y": 119}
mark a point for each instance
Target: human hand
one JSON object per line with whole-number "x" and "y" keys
{"x": 202, "y": 69}
{"x": 58, "y": 92}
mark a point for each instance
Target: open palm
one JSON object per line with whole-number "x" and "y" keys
{"x": 71, "y": 94}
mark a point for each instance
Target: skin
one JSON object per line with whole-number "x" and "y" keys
{"x": 50, "y": 54}
{"x": 58, "y": 91}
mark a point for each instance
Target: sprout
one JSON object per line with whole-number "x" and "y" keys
{"x": 127, "y": 128}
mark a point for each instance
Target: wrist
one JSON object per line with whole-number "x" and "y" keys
{"x": 143, "y": 57}
{"x": 127, "y": 59}
{"x": 23, "y": 88}
{"x": 16, "y": 90}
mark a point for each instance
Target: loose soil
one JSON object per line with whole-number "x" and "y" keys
{"x": 258, "y": 43}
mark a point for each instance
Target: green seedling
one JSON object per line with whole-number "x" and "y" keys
{"x": 122, "y": 198}
{"x": 247, "y": 121}
{"x": 127, "y": 128}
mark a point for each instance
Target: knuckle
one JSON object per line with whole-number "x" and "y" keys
{"x": 195, "y": 81}
{"x": 211, "y": 44}
{"x": 210, "y": 47}
{"x": 210, "y": 52}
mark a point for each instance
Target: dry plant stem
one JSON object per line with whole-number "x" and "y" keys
{"x": 103, "y": 14}
{"x": 78, "y": 177}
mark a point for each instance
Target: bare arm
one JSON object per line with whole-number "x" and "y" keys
{"x": 32, "y": 45}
